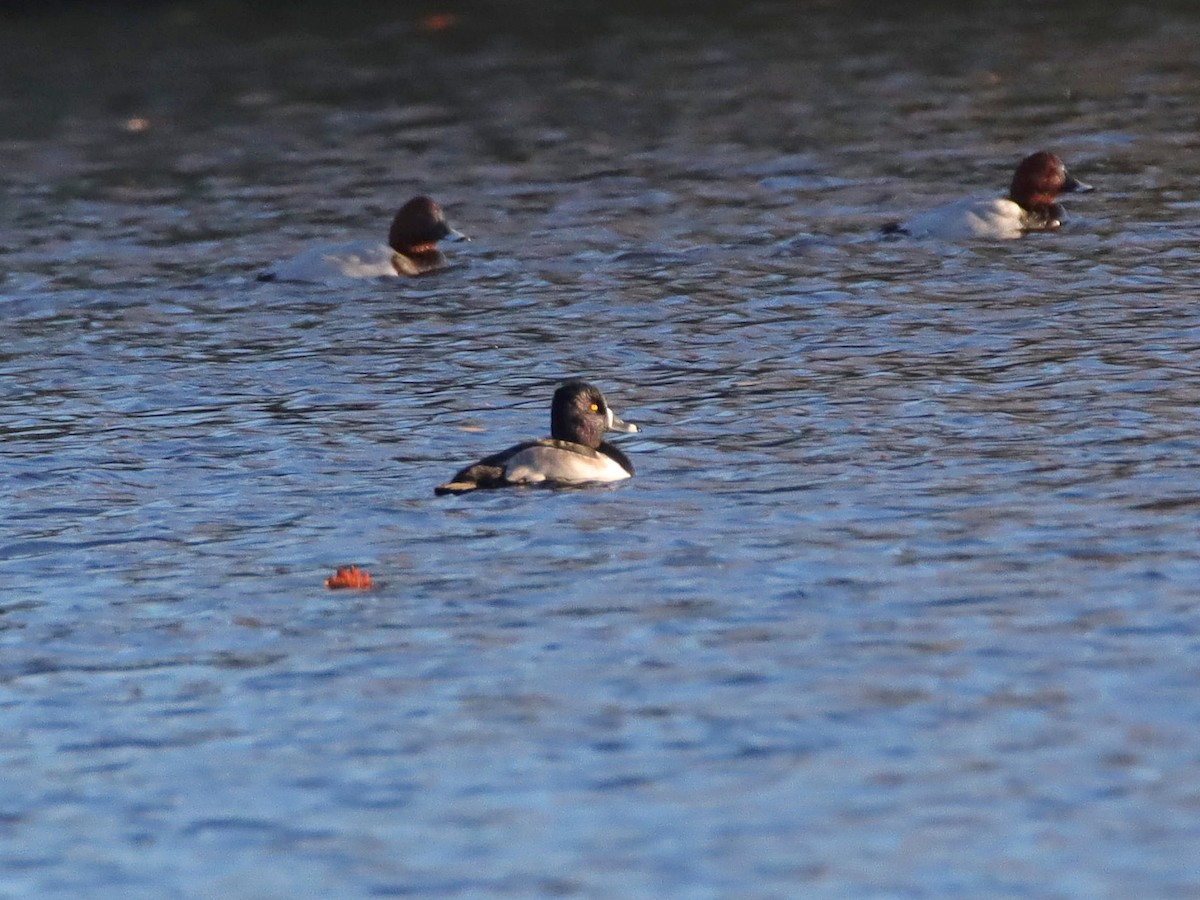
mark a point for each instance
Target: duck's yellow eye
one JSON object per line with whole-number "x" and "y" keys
{"x": 594, "y": 408}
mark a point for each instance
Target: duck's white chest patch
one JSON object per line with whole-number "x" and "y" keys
{"x": 541, "y": 463}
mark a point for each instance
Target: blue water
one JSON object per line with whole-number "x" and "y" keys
{"x": 902, "y": 601}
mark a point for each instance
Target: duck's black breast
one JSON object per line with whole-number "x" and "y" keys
{"x": 419, "y": 263}
{"x": 613, "y": 452}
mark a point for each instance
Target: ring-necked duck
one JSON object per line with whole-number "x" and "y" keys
{"x": 1031, "y": 205}
{"x": 411, "y": 250}
{"x": 575, "y": 452}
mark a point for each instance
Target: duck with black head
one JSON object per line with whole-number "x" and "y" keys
{"x": 1031, "y": 205}
{"x": 575, "y": 452}
{"x": 411, "y": 250}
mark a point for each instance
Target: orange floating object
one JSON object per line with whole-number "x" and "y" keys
{"x": 349, "y": 577}
{"x": 438, "y": 21}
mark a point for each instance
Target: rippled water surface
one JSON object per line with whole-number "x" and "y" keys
{"x": 904, "y": 600}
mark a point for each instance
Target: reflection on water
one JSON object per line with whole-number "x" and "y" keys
{"x": 900, "y": 602}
